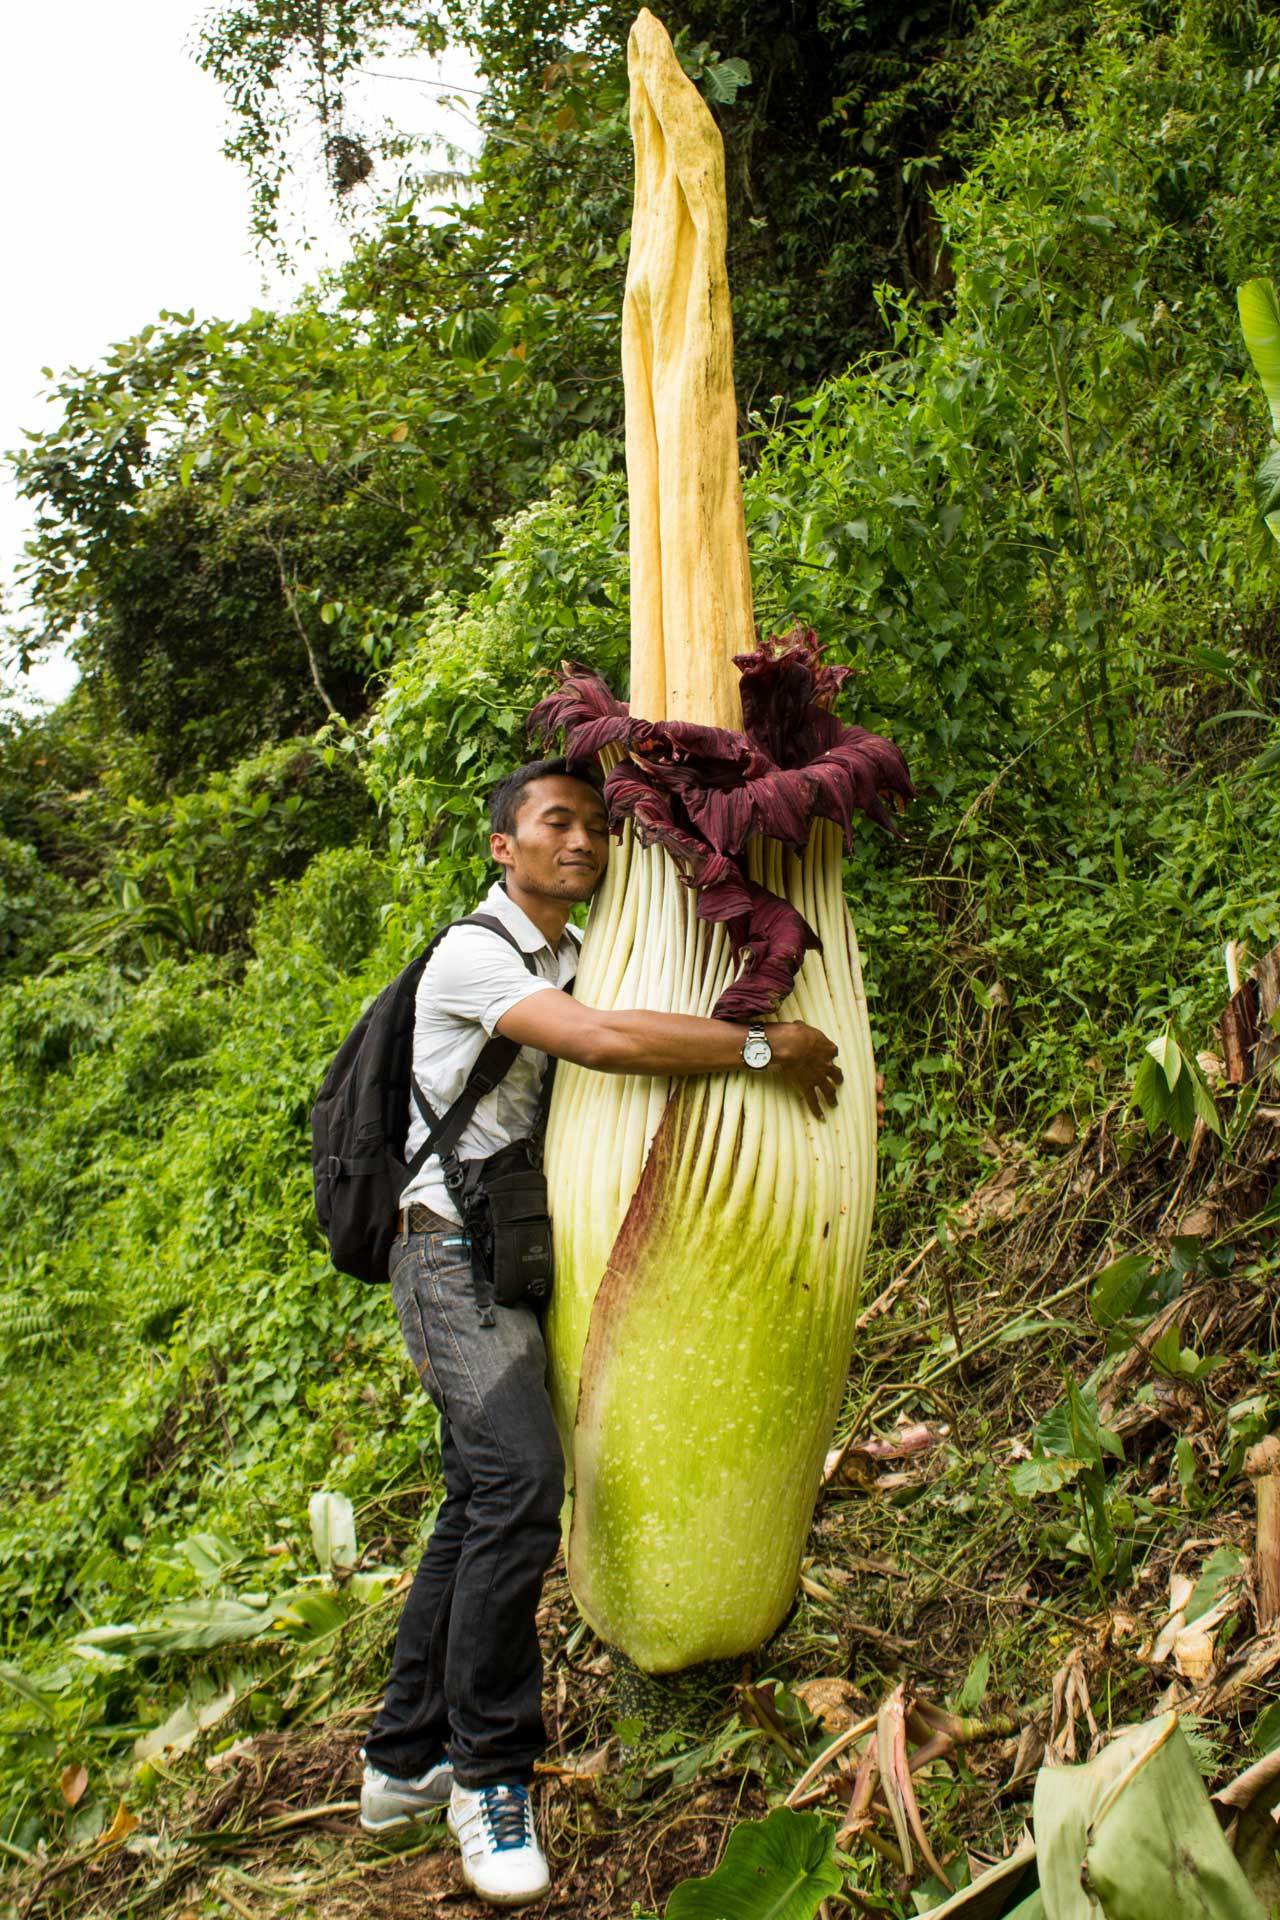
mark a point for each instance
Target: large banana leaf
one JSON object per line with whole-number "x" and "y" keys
{"x": 1153, "y": 1844}
{"x": 1132, "y": 1836}
{"x": 1260, "y": 321}
{"x": 1129, "y": 1836}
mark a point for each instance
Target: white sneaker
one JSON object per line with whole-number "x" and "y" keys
{"x": 387, "y": 1802}
{"x": 501, "y": 1858}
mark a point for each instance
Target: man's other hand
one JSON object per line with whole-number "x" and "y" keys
{"x": 806, "y": 1059}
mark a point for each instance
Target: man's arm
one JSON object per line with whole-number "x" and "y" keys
{"x": 670, "y": 1043}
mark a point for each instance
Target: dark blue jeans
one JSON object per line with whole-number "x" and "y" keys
{"x": 466, "y": 1678}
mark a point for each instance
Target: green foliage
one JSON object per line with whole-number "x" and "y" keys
{"x": 194, "y": 868}
{"x": 452, "y": 721}
{"x": 1026, "y": 520}
{"x": 781, "y": 1868}
{"x": 33, "y": 904}
{"x": 1172, "y": 1091}
{"x": 235, "y": 520}
{"x": 1068, "y": 1456}
{"x": 1132, "y": 1290}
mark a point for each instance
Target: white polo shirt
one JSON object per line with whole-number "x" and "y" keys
{"x": 470, "y": 981}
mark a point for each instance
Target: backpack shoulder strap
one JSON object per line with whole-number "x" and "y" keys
{"x": 492, "y": 1064}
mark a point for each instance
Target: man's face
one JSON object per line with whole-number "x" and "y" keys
{"x": 560, "y": 847}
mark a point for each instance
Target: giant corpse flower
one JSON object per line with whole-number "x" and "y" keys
{"x": 710, "y": 1232}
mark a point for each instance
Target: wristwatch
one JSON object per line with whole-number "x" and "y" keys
{"x": 756, "y": 1051}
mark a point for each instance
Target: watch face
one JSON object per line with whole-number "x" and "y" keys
{"x": 756, "y": 1051}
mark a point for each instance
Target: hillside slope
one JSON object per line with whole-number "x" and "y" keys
{"x": 1028, "y": 523}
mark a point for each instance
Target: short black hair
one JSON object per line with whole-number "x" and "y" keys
{"x": 504, "y": 801}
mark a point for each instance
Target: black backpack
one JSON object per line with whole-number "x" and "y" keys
{"x": 361, "y": 1118}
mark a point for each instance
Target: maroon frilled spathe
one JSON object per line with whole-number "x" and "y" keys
{"x": 704, "y": 791}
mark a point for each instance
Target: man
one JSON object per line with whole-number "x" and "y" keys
{"x": 461, "y": 1720}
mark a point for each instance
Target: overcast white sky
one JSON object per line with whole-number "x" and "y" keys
{"x": 118, "y": 201}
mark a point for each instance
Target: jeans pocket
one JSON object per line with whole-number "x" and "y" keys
{"x": 448, "y": 1275}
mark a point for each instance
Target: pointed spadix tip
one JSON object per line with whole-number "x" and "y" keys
{"x": 649, "y": 39}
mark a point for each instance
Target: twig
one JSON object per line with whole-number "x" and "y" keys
{"x": 895, "y": 1286}
{"x": 824, "y": 1759}
{"x": 954, "y": 1323}
{"x": 285, "y": 1820}
{"x": 95, "y": 1851}
{"x": 979, "y": 1346}
{"x": 291, "y": 603}
{"x": 995, "y": 1599}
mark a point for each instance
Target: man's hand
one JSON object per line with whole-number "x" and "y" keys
{"x": 807, "y": 1060}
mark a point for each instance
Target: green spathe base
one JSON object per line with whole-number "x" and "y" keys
{"x": 710, "y": 1238}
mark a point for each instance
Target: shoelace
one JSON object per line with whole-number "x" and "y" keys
{"x": 506, "y": 1815}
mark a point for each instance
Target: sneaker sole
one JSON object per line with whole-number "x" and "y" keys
{"x": 503, "y": 1899}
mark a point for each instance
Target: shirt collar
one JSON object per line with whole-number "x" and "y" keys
{"x": 529, "y": 939}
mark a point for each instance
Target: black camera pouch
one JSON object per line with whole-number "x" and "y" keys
{"x": 503, "y": 1202}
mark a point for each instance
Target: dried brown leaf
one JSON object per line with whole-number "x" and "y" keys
{"x": 121, "y": 1827}
{"x": 831, "y": 1701}
{"x": 73, "y": 1780}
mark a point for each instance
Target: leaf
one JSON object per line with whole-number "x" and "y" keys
{"x": 72, "y": 1783}
{"x": 1260, "y": 324}
{"x": 1266, "y": 487}
{"x": 1266, "y": 1730}
{"x": 370, "y": 1586}
{"x": 990, "y": 1894}
{"x": 1090, "y": 1440}
{"x": 208, "y": 1553}
{"x": 1045, "y": 1475}
{"x": 1206, "y": 1107}
{"x": 27, "y": 1690}
{"x": 1151, "y": 1094}
{"x": 192, "y": 1626}
{"x": 1053, "y": 1434}
{"x": 1224, "y": 1566}
{"x": 1101, "y": 1539}
{"x": 1168, "y": 1057}
{"x": 333, "y": 1530}
{"x": 1184, "y": 1455}
{"x": 1133, "y": 1834}
{"x": 121, "y": 1827}
{"x": 1164, "y": 1088}
{"x": 725, "y": 80}
{"x": 781, "y": 1868}
{"x": 1117, "y": 1290}
{"x": 1169, "y": 1356}
{"x": 974, "y": 1690}
{"x": 183, "y": 1727}
{"x": 309, "y": 1616}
